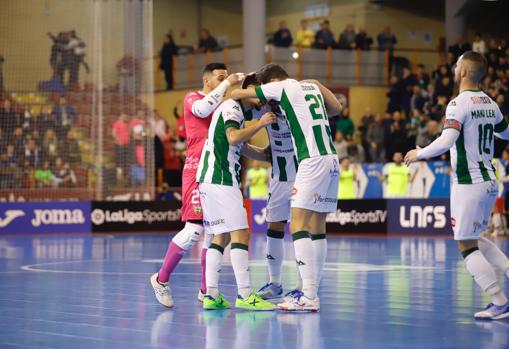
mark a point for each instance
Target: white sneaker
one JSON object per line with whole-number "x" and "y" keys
{"x": 300, "y": 303}
{"x": 162, "y": 292}
{"x": 201, "y": 295}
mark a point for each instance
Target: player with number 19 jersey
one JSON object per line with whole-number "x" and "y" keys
{"x": 196, "y": 134}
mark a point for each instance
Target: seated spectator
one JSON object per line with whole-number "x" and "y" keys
{"x": 422, "y": 77}
{"x": 44, "y": 176}
{"x": 345, "y": 124}
{"x": 207, "y": 42}
{"x": 258, "y": 180}
{"x": 164, "y": 193}
{"x": 128, "y": 68}
{"x": 376, "y": 139}
{"x": 427, "y": 134}
{"x": 340, "y": 145}
{"x": 407, "y": 83}
{"x": 324, "y": 38}
{"x": 444, "y": 87}
{"x": 283, "y": 37}
{"x": 304, "y": 37}
{"x": 32, "y": 154}
{"x": 438, "y": 110}
{"x": 8, "y": 118}
{"x": 8, "y": 168}
{"x": 50, "y": 146}
{"x": 72, "y": 152}
{"x": 418, "y": 98}
{"x": 479, "y": 45}
{"x": 65, "y": 114}
{"x": 18, "y": 140}
{"x": 355, "y": 151}
{"x": 64, "y": 176}
{"x": 363, "y": 41}
{"x": 347, "y": 38}
{"x": 386, "y": 40}
{"x": 460, "y": 47}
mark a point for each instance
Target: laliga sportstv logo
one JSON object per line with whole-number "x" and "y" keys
{"x": 10, "y": 215}
{"x": 99, "y": 216}
{"x": 421, "y": 217}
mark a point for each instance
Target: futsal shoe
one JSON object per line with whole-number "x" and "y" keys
{"x": 270, "y": 291}
{"x": 300, "y": 303}
{"x": 493, "y": 312}
{"x": 201, "y": 295}
{"x": 218, "y": 303}
{"x": 291, "y": 295}
{"x": 254, "y": 302}
{"x": 162, "y": 291}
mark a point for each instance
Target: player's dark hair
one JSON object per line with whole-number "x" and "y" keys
{"x": 271, "y": 71}
{"x": 478, "y": 63}
{"x": 209, "y": 68}
{"x": 250, "y": 80}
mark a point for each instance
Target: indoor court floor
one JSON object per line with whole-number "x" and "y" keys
{"x": 83, "y": 291}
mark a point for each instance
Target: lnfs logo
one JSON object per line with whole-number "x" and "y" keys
{"x": 422, "y": 217}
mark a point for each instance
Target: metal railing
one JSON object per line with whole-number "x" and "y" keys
{"x": 342, "y": 67}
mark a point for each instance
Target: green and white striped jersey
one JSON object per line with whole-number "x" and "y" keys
{"x": 220, "y": 161}
{"x": 284, "y": 161}
{"x": 304, "y": 109}
{"x": 480, "y": 119}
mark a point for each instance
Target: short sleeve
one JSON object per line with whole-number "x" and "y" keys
{"x": 270, "y": 92}
{"x": 233, "y": 116}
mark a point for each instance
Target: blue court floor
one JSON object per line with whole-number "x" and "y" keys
{"x": 93, "y": 292}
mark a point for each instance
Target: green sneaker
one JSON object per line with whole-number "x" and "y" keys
{"x": 254, "y": 302}
{"x": 218, "y": 303}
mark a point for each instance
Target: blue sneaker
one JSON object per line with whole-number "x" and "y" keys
{"x": 270, "y": 291}
{"x": 493, "y": 312}
{"x": 290, "y": 296}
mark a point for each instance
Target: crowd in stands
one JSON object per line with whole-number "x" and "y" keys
{"x": 417, "y": 100}
{"x": 324, "y": 38}
{"x": 38, "y": 150}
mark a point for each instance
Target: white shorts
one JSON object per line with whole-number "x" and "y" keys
{"x": 316, "y": 184}
{"x": 471, "y": 206}
{"x": 279, "y": 202}
{"x": 223, "y": 208}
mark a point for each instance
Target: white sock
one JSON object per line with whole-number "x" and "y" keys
{"x": 240, "y": 263}
{"x": 214, "y": 261}
{"x": 485, "y": 276}
{"x": 320, "y": 251}
{"x": 494, "y": 255}
{"x": 304, "y": 256}
{"x": 275, "y": 255}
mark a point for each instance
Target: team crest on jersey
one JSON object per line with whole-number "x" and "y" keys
{"x": 294, "y": 191}
{"x": 197, "y": 209}
{"x": 453, "y": 222}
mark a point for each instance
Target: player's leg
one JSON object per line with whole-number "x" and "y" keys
{"x": 180, "y": 243}
{"x": 468, "y": 209}
{"x": 207, "y": 240}
{"x": 319, "y": 241}
{"x": 246, "y": 299}
{"x": 214, "y": 299}
{"x": 275, "y": 256}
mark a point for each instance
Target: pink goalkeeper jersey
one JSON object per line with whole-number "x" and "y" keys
{"x": 196, "y": 133}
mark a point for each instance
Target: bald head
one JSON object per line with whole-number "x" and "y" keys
{"x": 471, "y": 66}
